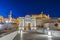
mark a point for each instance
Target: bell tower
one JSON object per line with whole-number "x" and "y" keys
{"x": 10, "y": 16}
{"x": 48, "y": 16}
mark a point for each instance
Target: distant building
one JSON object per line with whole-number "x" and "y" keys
{"x": 32, "y": 22}
{"x": 28, "y": 23}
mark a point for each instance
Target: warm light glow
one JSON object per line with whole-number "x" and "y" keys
{"x": 7, "y": 21}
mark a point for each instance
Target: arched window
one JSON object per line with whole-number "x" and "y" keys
{"x": 56, "y": 25}
{"x": 42, "y": 26}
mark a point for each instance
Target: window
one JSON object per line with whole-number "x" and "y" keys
{"x": 42, "y": 26}
{"x": 56, "y": 25}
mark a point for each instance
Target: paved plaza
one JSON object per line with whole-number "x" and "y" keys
{"x": 34, "y": 36}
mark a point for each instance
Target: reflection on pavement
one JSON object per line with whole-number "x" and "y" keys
{"x": 34, "y": 36}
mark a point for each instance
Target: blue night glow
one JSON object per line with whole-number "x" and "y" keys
{"x": 23, "y": 7}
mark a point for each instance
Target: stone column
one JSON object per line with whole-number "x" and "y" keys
{"x": 58, "y": 25}
{"x": 34, "y": 23}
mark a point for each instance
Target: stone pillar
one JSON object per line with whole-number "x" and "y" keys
{"x": 22, "y": 24}
{"x": 59, "y": 25}
{"x": 33, "y": 24}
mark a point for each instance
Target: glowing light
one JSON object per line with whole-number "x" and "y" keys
{"x": 7, "y": 21}
{"x": 21, "y": 35}
{"x": 49, "y": 34}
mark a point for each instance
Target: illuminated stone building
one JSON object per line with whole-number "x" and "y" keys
{"x": 41, "y": 19}
{"x": 53, "y": 23}
{"x": 10, "y": 17}
{"x": 28, "y": 22}
{"x": 1, "y": 19}
{"x": 32, "y": 22}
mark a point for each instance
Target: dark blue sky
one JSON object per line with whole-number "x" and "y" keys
{"x": 23, "y": 7}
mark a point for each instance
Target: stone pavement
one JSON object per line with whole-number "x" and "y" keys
{"x": 35, "y": 36}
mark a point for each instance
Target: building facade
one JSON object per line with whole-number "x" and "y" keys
{"x": 28, "y": 23}
{"x": 33, "y": 22}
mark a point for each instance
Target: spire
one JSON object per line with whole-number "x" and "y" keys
{"x": 42, "y": 12}
{"x": 10, "y": 16}
{"x": 48, "y": 15}
{"x": 10, "y": 12}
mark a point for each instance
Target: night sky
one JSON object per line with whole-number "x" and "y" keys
{"x": 24, "y": 7}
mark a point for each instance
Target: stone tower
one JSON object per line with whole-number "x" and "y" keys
{"x": 10, "y": 16}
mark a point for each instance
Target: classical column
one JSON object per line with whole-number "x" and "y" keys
{"x": 35, "y": 24}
